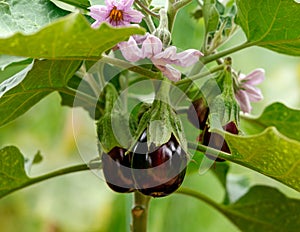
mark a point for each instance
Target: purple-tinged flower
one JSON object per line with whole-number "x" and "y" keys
{"x": 117, "y": 13}
{"x": 152, "y": 48}
{"x": 247, "y": 91}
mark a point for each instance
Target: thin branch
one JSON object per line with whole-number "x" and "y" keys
{"x": 216, "y": 56}
{"x": 201, "y": 75}
{"x": 200, "y": 196}
{"x": 60, "y": 172}
{"x": 146, "y": 9}
{"x": 131, "y": 67}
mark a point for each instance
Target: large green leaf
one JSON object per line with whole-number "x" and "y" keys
{"x": 12, "y": 170}
{"x": 286, "y": 120}
{"x": 70, "y": 37}
{"x": 273, "y": 24}
{"x": 269, "y": 153}
{"x": 45, "y": 77}
{"x": 26, "y": 15}
{"x": 264, "y": 209}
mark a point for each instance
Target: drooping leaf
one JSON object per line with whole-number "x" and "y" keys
{"x": 264, "y": 209}
{"x": 45, "y": 77}
{"x": 14, "y": 80}
{"x": 269, "y": 153}
{"x": 221, "y": 170}
{"x": 12, "y": 170}
{"x": 272, "y": 24}
{"x": 83, "y": 4}
{"x": 70, "y": 37}
{"x": 10, "y": 67}
{"x": 26, "y": 16}
{"x": 285, "y": 119}
{"x": 211, "y": 15}
{"x": 8, "y": 60}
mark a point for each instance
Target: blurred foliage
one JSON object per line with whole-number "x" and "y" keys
{"x": 82, "y": 202}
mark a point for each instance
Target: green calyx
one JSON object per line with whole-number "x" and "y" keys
{"x": 161, "y": 121}
{"x": 115, "y": 126}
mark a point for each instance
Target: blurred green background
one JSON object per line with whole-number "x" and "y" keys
{"x": 82, "y": 202}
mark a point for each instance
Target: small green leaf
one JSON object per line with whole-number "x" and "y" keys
{"x": 12, "y": 170}
{"x": 8, "y": 60}
{"x": 272, "y": 24}
{"x": 285, "y": 119}
{"x": 269, "y": 153}
{"x": 114, "y": 127}
{"x": 221, "y": 170}
{"x": 70, "y": 37}
{"x": 211, "y": 15}
{"x": 26, "y": 16}
{"x": 45, "y": 77}
{"x": 264, "y": 209}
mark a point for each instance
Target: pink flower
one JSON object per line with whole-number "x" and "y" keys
{"x": 117, "y": 13}
{"x": 247, "y": 91}
{"x": 152, "y": 48}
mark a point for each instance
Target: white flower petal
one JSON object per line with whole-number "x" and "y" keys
{"x": 151, "y": 46}
{"x": 130, "y": 50}
{"x": 170, "y": 72}
{"x": 243, "y": 100}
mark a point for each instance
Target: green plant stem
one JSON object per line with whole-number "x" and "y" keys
{"x": 89, "y": 100}
{"x": 60, "y": 172}
{"x": 139, "y": 212}
{"x": 173, "y": 8}
{"x": 200, "y": 75}
{"x": 133, "y": 68}
{"x": 146, "y": 9}
{"x": 216, "y": 56}
{"x": 200, "y": 196}
{"x": 214, "y": 152}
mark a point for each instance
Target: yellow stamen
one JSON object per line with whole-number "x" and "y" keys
{"x": 116, "y": 15}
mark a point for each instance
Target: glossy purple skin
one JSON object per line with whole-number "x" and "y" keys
{"x": 117, "y": 170}
{"x": 217, "y": 141}
{"x": 160, "y": 171}
{"x": 198, "y": 113}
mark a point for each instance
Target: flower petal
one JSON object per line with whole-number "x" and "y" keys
{"x": 99, "y": 12}
{"x": 131, "y": 15}
{"x": 243, "y": 100}
{"x": 126, "y": 3}
{"x": 253, "y": 93}
{"x": 187, "y": 57}
{"x": 130, "y": 50}
{"x": 255, "y": 77}
{"x": 170, "y": 72}
{"x": 151, "y": 46}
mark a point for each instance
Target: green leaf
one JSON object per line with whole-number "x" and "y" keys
{"x": 26, "y": 16}
{"x": 45, "y": 77}
{"x": 211, "y": 15}
{"x": 12, "y": 170}
{"x": 8, "y": 60}
{"x": 264, "y": 209}
{"x": 221, "y": 170}
{"x": 285, "y": 119}
{"x": 10, "y": 67}
{"x": 70, "y": 37}
{"x": 272, "y": 24}
{"x": 269, "y": 153}
{"x": 83, "y": 4}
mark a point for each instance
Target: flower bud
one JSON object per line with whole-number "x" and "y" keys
{"x": 162, "y": 32}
